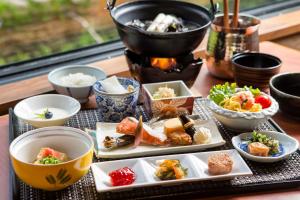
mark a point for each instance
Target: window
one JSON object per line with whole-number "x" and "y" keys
{"x": 36, "y": 28}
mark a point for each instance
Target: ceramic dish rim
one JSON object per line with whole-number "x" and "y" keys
{"x": 36, "y": 131}
{"x": 50, "y": 120}
{"x": 268, "y": 158}
{"x": 56, "y": 83}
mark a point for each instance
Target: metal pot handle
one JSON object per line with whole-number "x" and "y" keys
{"x": 214, "y": 8}
{"x": 110, "y": 4}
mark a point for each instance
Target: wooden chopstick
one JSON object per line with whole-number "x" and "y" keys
{"x": 235, "y": 22}
{"x": 226, "y": 15}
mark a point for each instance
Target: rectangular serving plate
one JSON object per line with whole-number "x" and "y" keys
{"x": 145, "y": 168}
{"x": 108, "y": 129}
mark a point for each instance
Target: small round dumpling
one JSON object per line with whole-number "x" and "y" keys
{"x": 203, "y": 136}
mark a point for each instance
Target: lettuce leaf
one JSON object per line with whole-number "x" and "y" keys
{"x": 220, "y": 92}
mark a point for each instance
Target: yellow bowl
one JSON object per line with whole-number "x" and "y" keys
{"x": 74, "y": 142}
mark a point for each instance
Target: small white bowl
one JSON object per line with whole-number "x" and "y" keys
{"x": 243, "y": 121}
{"x": 290, "y": 145}
{"x": 81, "y": 93}
{"x": 64, "y": 108}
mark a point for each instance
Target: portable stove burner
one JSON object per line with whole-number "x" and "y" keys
{"x": 148, "y": 69}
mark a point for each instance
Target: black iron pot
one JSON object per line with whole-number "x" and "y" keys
{"x": 160, "y": 44}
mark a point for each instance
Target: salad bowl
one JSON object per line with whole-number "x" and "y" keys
{"x": 25, "y": 148}
{"x": 243, "y": 121}
{"x": 289, "y": 146}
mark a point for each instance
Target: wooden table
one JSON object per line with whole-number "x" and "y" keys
{"x": 291, "y": 63}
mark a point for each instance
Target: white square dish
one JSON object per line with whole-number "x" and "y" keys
{"x": 155, "y": 107}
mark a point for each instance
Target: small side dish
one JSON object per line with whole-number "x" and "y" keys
{"x": 48, "y": 156}
{"x": 260, "y": 144}
{"x": 123, "y": 176}
{"x": 47, "y": 110}
{"x": 170, "y": 170}
{"x": 265, "y": 146}
{"x": 219, "y": 163}
{"x": 166, "y": 100}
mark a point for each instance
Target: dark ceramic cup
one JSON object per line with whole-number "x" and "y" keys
{"x": 285, "y": 88}
{"x": 255, "y": 69}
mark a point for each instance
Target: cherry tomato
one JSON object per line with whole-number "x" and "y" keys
{"x": 264, "y": 101}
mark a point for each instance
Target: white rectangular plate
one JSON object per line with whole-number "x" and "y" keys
{"x": 109, "y": 129}
{"x": 144, "y": 169}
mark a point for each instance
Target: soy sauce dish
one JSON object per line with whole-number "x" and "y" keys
{"x": 265, "y": 146}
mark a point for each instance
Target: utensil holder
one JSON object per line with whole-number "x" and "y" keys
{"x": 224, "y": 43}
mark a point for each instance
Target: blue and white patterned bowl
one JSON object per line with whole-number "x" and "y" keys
{"x": 115, "y": 107}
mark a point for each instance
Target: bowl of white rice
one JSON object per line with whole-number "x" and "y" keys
{"x": 76, "y": 81}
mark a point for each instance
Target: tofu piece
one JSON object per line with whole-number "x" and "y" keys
{"x": 173, "y": 125}
{"x": 113, "y": 86}
{"x": 220, "y": 163}
{"x": 158, "y": 20}
{"x": 258, "y": 149}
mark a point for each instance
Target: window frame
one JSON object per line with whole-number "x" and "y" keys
{"x": 38, "y": 66}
